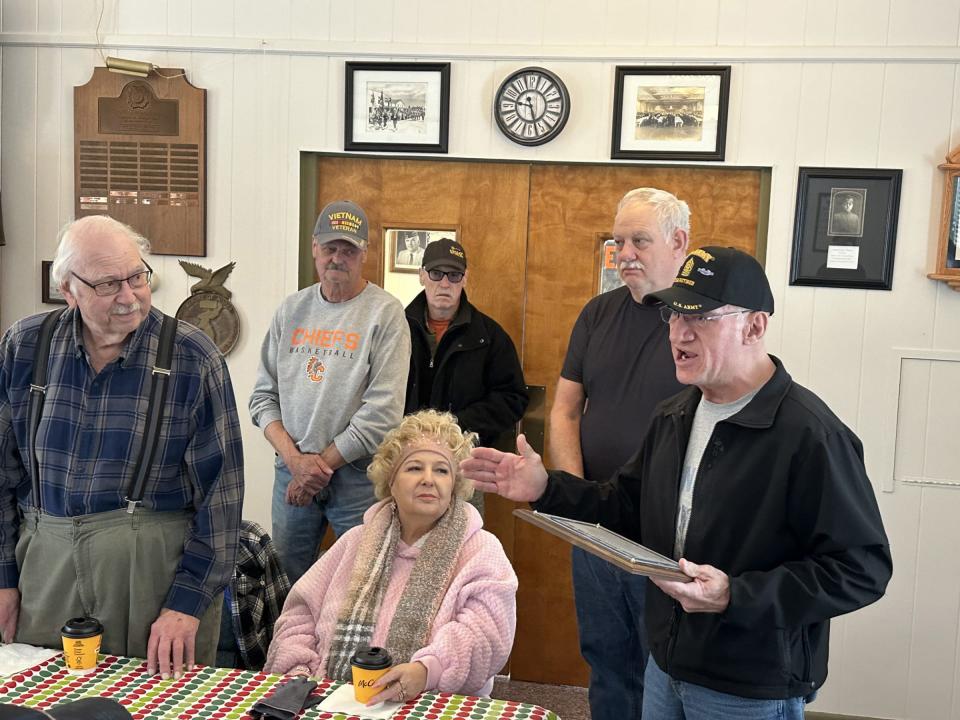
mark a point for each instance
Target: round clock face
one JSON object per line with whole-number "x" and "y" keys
{"x": 532, "y": 106}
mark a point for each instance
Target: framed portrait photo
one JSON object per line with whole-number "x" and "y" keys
{"x": 670, "y": 112}
{"x": 405, "y": 244}
{"x": 397, "y": 107}
{"x": 49, "y": 292}
{"x": 845, "y": 227}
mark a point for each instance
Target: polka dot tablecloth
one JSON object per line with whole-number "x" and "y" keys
{"x": 221, "y": 694}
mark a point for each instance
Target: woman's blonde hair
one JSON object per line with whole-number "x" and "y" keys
{"x": 430, "y": 426}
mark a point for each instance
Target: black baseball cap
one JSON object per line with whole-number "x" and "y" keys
{"x": 445, "y": 253}
{"x": 712, "y": 277}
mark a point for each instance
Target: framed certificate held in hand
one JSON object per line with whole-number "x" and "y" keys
{"x": 606, "y": 544}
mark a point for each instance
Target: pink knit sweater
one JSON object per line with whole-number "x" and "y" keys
{"x": 471, "y": 635}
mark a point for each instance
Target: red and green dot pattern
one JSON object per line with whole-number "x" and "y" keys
{"x": 221, "y": 694}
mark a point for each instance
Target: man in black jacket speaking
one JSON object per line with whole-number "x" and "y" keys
{"x": 462, "y": 361}
{"x": 751, "y": 477}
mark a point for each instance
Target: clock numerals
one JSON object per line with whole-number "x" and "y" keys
{"x": 532, "y": 106}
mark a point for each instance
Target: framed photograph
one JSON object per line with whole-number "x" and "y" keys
{"x": 670, "y": 113}
{"x": 49, "y": 293}
{"x": 397, "y": 107}
{"x": 608, "y": 277}
{"x": 404, "y": 244}
{"x": 845, "y": 228}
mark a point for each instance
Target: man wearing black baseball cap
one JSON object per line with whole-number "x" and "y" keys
{"x": 462, "y": 361}
{"x": 754, "y": 479}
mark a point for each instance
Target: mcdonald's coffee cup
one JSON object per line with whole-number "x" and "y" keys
{"x": 368, "y": 664}
{"x": 81, "y": 644}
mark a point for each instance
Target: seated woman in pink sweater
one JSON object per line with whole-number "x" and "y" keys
{"x": 420, "y": 577}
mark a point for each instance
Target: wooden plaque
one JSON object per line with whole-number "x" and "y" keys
{"x": 140, "y": 156}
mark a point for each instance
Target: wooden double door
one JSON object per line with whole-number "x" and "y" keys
{"x": 532, "y": 234}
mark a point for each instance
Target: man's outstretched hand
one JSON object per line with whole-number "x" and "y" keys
{"x": 520, "y": 477}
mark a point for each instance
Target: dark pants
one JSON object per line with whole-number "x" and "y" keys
{"x": 613, "y": 638}
{"x": 114, "y": 566}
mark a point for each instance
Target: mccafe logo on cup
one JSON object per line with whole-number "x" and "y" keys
{"x": 81, "y": 644}
{"x": 368, "y": 665}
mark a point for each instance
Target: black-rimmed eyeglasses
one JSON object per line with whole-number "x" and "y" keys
{"x": 136, "y": 281}
{"x": 668, "y": 315}
{"x": 452, "y": 275}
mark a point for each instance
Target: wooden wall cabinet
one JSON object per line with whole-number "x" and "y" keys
{"x": 948, "y": 250}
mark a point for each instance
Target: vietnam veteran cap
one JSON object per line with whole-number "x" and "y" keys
{"x": 342, "y": 220}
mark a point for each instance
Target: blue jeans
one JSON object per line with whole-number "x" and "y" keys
{"x": 669, "y": 699}
{"x": 613, "y": 638}
{"x": 297, "y": 531}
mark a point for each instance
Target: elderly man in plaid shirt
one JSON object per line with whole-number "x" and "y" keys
{"x": 108, "y": 507}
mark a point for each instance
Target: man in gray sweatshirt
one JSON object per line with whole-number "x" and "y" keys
{"x": 331, "y": 383}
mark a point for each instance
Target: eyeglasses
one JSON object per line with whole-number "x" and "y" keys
{"x": 112, "y": 287}
{"x": 452, "y": 275}
{"x": 668, "y": 315}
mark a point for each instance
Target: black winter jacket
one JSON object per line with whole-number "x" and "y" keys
{"x": 782, "y": 504}
{"x": 476, "y": 374}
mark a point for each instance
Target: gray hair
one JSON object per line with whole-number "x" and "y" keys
{"x": 65, "y": 259}
{"x": 672, "y": 214}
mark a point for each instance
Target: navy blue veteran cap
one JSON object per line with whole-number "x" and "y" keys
{"x": 711, "y": 277}
{"x": 342, "y": 220}
{"x": 445, "y": 254}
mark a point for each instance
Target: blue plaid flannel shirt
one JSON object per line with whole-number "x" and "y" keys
{"x": 91, "y": 432}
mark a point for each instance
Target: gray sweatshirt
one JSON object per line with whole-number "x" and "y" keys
{"x": 334, "y": 371}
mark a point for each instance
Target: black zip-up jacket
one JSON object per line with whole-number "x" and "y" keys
{"x": 475, "y": 374}
{"x": 782, "y": 504}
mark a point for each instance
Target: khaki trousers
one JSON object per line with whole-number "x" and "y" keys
{"x": 115, "y": 566}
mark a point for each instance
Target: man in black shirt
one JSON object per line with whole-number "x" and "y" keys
{"x": 618, "y": 367}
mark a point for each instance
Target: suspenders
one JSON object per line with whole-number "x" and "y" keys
{"x": 158, "y": 391}
{"x": 38, "y": 389}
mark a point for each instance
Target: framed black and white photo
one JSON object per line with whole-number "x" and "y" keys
{"x": 670, "y": 112}
{"x": 405, "y": 244}
{"x": 845, "y": 228}
{"x": 49, "y": 292}
{"x": 397, "y": 106}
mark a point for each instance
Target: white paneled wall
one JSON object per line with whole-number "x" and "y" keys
{"x": 860, "y": 83}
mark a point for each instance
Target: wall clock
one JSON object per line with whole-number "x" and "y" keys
{"x": 532, "y": 106}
